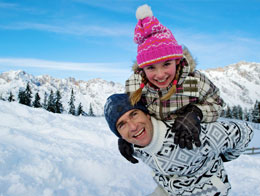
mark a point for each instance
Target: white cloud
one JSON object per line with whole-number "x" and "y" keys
{"x": 7, "y": 5}
{"x": 218, "y": 50}
{"x": 66, "y": 66}
{"x": 73, "y": 29}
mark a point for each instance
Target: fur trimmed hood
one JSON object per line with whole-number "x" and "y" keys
{"x": 186, "y": 54}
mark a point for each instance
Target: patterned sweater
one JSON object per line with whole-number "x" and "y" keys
{"x": 200, "y": 171}
{"x": 193, "y": 88}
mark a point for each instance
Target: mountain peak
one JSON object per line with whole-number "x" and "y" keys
{"x": 239, "y": 83}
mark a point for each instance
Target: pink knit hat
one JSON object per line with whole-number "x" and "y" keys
{"x": 155, "y": 42}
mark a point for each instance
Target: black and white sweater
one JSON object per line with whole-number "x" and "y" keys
{"x": 199, "y": 171}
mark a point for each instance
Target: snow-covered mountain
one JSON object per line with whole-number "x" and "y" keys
{"x": 239, "y": 84}
{"x": 92, "y": 92}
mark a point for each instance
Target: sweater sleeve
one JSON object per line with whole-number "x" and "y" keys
{"x": 210, "y": 102}
{"x": 240, "y": 134}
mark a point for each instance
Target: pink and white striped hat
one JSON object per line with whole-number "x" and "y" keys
{"x": 155, "y": 42}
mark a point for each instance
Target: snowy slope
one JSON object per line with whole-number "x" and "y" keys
{"x": 48, "y": 154}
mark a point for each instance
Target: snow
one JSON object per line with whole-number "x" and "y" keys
{"x": 48, "y": 154}
{"x": 238, "y": 83}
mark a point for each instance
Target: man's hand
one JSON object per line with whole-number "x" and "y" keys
{"x": 187, "y": 127}
{"x": 126, "y": 150}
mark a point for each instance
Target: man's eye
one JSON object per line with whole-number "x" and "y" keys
{"x": 120, "y": 126}
{"x": 135, "y": 113}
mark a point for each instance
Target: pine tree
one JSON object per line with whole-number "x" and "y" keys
{"x": 58, "y": 104}
{"x": 234, "y": 112}
{"x": 246, "y": 115}
{"x": 80, "y": 110}
{"x": 256, "y": 112}
{"x": 91, "y": 113}
{"x": 239, "y": 112}
{"x": 71, "y": 103}
{"x": 223, "y": 113}
{"x": 51, "y": 103}
{"x": 45, "y": 102}
{"x": 28, "y": 95}
{"x": 11, "y": 97}
{"x": 21, "y": 96}
{"x": 37, "y": 103}
{"x": 228, "y": 112}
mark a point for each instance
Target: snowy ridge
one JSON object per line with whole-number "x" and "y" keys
{"x": 239, "y": 83}
{"x": 92, "y": 92}
{"x": 49, "y": 154}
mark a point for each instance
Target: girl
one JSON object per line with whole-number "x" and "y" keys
{"x": 166, "y": 81}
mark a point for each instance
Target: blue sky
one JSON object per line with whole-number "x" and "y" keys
{"x": 89, "y": 39}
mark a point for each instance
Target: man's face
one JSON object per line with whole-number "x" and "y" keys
{"x": 135, "y": 127}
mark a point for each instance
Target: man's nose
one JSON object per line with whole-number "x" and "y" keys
{"x": 132, "y": 125}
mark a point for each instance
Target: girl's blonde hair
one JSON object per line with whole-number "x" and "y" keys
{"x": 136, "y": 95}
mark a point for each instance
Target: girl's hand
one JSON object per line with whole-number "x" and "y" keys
{"x": 187, "y": 127}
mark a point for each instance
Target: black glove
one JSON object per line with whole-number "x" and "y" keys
{"x": 187, "y": 127}
{"x": 126, "y": 149}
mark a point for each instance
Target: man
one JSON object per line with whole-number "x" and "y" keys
{"x": 178, "y": 171}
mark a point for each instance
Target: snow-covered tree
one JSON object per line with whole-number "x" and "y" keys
{"x": 234, "y": 112}
{"x": 21, "y": 96}
{"x": 25, "y": 96}
{"x": 239, "y": 112}
{"x": 28, "y": 95}
{"x": 71, "y": 103}
{"x": 51, "y": 103}
{"x": 80, "y": 110}
{"x": 11, "y": 97}
{"x": 45, "y": 101}
{"x": 256, "y": 112}
{"x": 228, "y": 112}
{"x": 91, "y": 113}
{"x": 58, "y": 104}
{"x": 36, "y": 102}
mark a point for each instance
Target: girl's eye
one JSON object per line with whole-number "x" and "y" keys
{"x": 167, "y": 64}
{"x": 149, "y": 68}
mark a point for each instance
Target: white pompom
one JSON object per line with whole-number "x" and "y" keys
{"x": 143, "y": 12}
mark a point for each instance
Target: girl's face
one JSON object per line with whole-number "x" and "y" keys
{"x": 161, "y": 74}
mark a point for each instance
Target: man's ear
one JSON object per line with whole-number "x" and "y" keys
{"x": 178, "y": 61}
